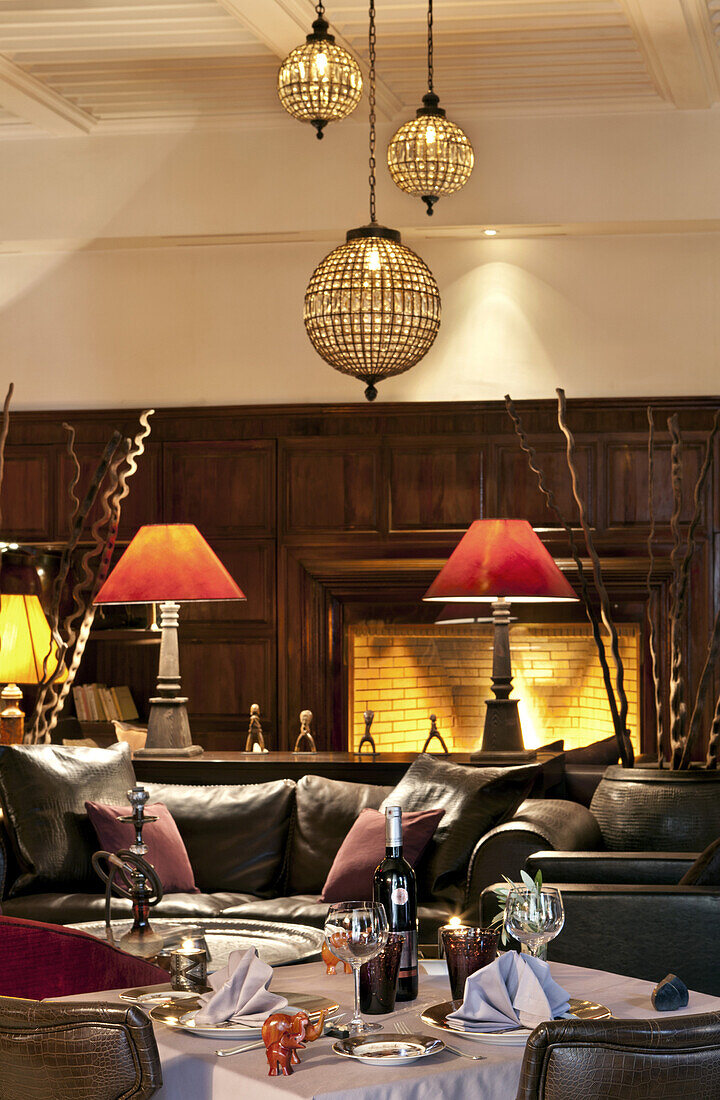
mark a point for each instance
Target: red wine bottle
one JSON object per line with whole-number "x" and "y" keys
{"x": 394, "y": 887}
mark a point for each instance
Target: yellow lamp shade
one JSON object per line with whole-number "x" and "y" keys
{"x": 25, "y": 641}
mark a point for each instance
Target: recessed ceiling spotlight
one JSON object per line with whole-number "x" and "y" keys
{"x": 490, "y": 232}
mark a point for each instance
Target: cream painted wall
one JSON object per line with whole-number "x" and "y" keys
{"x": 601, "y": 315}
{"x": 190, "y": 326}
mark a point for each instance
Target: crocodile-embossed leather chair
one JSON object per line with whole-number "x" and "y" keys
{"x": 672, "y": 1059}
{"x": 76, "y": 1052}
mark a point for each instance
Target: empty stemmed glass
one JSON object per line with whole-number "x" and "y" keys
{"x": 356, "y": 931}
{"x": 534, "y": 917}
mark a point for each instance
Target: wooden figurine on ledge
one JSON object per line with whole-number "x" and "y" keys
{"x": 284, "y": 1035}
{"x": 305, "y": 734}
{"x": 331, "y": 961}
{"x": 255, "y": 742}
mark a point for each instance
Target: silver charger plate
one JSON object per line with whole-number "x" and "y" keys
{"x": 437, "y": 1016}
{"x": 182, "y": 1016}
{"x": 157, "y": 995}
{"x": 385, "y": 1049}
{"x": 276, "y": 944}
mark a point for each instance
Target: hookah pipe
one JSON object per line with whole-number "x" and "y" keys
{"x": 128, "y": 874}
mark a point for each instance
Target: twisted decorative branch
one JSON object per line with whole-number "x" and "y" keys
{"x": 677, "y": 704}
{"x": 696, "y": 516}
{"x": 652, "y": 636}
{"x": 624, "y": 743}
{"x": 703, "y": 687}
{"x": 551, "y": 503}
{"x": 75, "y": 477}
{"x": 711, "y": 761}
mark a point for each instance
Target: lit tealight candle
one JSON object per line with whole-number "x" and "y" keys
{"x": 452, "y": 926}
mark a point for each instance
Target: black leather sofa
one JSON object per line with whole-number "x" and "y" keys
{"x": 263, "y": 851}
{"x": 627, "y": 912}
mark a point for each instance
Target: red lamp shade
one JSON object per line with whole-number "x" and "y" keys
{"x": 168, "y": 562}
{"x": 499, "y": 557}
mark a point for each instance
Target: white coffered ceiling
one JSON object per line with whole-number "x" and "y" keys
{"x": 99, "y": 66}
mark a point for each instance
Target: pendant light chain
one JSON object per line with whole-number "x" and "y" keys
{"x": 320, "y": 9}
{"x": 430, "y": 46}
{"x": 371, "y": 97}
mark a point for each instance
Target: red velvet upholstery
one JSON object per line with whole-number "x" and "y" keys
{"x": 47, "y": 960}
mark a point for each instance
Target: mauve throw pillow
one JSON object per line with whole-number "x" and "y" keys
{"x": 166, "y": 850}
{"x": 351, "y": 875}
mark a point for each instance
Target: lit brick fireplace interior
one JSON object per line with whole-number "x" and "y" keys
{"x": 405, "y": 673}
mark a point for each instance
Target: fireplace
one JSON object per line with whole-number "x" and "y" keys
{"x": 404, "y": 673}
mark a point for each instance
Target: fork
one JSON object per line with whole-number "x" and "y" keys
{"x": 403, "y": 1028}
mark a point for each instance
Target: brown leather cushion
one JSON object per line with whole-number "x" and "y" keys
{"x": 705, "y": 871}
{"x": 43, "y": 790}
{"x": 324, "y": 814}
{"x": 235, "y": 835}
{"x": 474, "y": 800}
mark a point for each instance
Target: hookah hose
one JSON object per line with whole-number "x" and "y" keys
{"x": 123, "y": 863}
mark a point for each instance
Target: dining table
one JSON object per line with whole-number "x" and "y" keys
{"x": 193, "y": 1071}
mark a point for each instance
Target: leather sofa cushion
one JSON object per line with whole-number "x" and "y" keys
{"x": 75, "y": 908}
{"x": 474, "y": 800}
{"x": 306, "y": 909}
{"x": 236, "y": 836}
{"x": 325, "y": 811}
{"x": 43, "y": 790}
{"x": 705, "y": 871}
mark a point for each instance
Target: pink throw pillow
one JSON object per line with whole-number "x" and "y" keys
{"x": 351, "y": 875}
{"x": 166, "y": 850}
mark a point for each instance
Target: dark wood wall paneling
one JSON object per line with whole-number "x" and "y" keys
{"x": 323, "y": 514}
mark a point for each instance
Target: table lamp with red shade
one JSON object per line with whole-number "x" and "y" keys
{"x": 168, "y": 564}
{"x": 500, "y": 561}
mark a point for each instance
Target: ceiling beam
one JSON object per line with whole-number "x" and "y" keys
{"x": 675, "y": 49}
{"x": 281, "y": 25}
{"x": 28, "y": 98}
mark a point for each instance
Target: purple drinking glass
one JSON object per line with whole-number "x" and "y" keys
{"x": 467, "y": 949}
{"x": 379, "y": 978}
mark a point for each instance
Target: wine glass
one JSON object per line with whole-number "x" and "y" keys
{"x": 534, "y": 917}
{"x": 356, "y": 931}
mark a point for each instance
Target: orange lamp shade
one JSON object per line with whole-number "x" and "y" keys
{"x": 168, "y": 562}
{"x": 25, "y": 641}
{"x": 500, "y": 558}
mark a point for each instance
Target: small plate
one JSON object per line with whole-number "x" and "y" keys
{"x": 159, "y": 995}
{"x": 178, "y": 1016}
{"x": 386, "y": 1049}
{"x": 437, "y": 1016}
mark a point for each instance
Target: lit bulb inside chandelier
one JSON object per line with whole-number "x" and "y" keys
{"x": 319, "y": 82}
{"x": 430, "y": 156}
{"x": 372, "y": 306}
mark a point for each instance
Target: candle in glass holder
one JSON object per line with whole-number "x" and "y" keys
{"x": 188, "y": 969}
{"x": 452, "y": 926}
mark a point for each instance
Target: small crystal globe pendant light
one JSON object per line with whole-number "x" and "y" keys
{"x": 319, "y": 82}
{"x": 372, "y": 307}
{"x": 430, "y": 156}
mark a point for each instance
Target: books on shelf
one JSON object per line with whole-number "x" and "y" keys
{"x": 98, "y": 703}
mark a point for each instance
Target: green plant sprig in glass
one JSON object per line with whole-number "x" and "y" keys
{"x": 503, "y": 893}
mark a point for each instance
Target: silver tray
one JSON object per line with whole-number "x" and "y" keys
{"x": 276, "y": 944}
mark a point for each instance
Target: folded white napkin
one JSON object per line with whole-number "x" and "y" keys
{"x": 240, "y": 992}
{"x": 513, "y": 991}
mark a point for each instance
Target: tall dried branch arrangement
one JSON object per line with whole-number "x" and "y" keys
{"x": 652, "y": 611}
{"x": 110, "y": 484}
{"x": 624, "y": 746}
{"x": 677, "y": 703}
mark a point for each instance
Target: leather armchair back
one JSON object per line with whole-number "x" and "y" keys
{"x": 76, "y": 1051}
{"x": 671, "y": 1059}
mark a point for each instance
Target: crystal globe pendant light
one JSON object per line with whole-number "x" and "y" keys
{"x": 319, "y": 82}
{"x": 430, "y": 156}
{"x": 372, "y": 306}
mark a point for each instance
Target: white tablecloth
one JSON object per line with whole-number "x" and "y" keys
{"x": 192, "y": 1071}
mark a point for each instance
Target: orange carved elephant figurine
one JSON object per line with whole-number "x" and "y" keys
{"x": 284, "y": 1035}
{"x": 331, "y": 960}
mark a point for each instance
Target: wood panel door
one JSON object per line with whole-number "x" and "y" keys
{"x": 226, "y": 489}
{"x": 434, "y": 485}
{"x": 330, "y": 485}
{"x": 28, "y": 494}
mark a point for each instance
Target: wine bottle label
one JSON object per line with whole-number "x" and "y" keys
{"x": 399, "y": 896}
{"x": 408, "y": 957}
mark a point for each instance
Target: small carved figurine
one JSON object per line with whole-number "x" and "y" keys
{"x": 255, "y": 733}
{"x": 331, "y": 961}
{"x": 434, "y": 732}
{"x": 367, "y": 737}
{"x": 284, "y": 1035}
{"x": 306, "y": 718}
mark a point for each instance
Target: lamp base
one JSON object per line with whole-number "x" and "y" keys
{"x": 12, "y": 719}
{"x": 169, "y": 729}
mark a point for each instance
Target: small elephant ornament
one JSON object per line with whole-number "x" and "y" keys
{"x": 284, "y": 1035}
{"x": 331, "y": 961}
